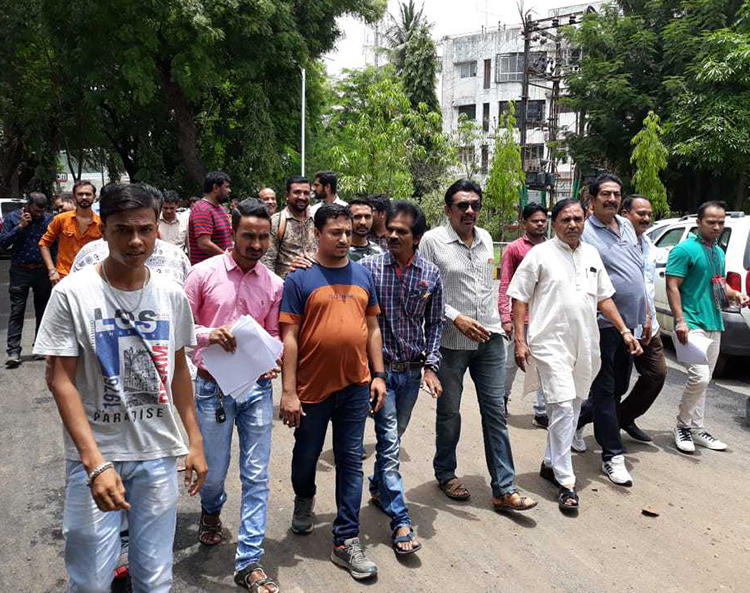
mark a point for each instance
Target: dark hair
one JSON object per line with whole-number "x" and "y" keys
{"x": 418, "y": 221}
{"x": 249, "y": 207}
{"x": 194, "y": 199}
{"x": 172, "y": 197}
{"x": 296, "y": 179}
{"x": 627, "y": 203}
{"x": 361, "y": 201}
{"x": 82, "y": 182}
{"x": 328, "y": 211}
{"x": 561, "y": 205}
{"x": 327, "y": 178}
{"x": 380, "y": 203}
{"x": 38, "y": 199}
{"x": 711, "y": 204}
{"x": 462, "y": 185}
{"x": 158, "y": 196}
{"x": 214, "y": 178}
{"x": 121, "y": 197}
{"x": 532, "y": 208}
{"x": 603, "y": 178}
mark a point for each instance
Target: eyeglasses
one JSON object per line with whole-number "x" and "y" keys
{"x": 476, "y": 205}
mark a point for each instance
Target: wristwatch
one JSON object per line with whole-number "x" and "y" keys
{"x": 431, "y": 367}
{"x": 381, "y": 375}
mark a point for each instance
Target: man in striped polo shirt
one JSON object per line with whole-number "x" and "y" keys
{"x": 209, "y": 229}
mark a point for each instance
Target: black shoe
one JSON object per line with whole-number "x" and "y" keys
{"x": 548, "y": 474}
{"x": 541, "y": 421}
{"x": 636, "y": 433}
{"x": 14, "y": 360}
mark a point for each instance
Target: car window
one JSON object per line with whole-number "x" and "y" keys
{"x": 8, "y": 207}
{"x": 671, "y": 237}
{"x": 655, "y": 232}
{"x": 724, "y": 238}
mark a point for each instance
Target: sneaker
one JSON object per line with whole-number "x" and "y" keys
{"x": 302, "y": 519}
{"x": 578, "y": 445}
{"x": 541, "y": 421}
{"x": 709, "y": 441}
{"x": 683, "y": 439}
{"x": 13, "y": 361}
{"x": 617, "y": 472}
{"x": 352, "y": 557}
{"x": 636, "y": 433}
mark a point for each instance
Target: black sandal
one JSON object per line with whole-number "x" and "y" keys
{"x": 206, "y": 531}
{"x": 565, "y": 497}
{"x": 242, "y": 578}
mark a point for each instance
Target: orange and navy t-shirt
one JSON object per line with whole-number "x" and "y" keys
{"x": 329, "y": 305}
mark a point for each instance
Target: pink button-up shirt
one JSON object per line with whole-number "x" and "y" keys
{"x": 512, "y": 257}
{"x": 220, "y": 293}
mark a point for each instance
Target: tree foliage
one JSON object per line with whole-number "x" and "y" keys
{"x": 650, "y": 159}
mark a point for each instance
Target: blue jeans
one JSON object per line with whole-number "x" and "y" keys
{"x": 253, "y": 415}
{"x": 347, "y": 411}
{"x": 92, "y": 537}
{"x": 390, "y": 423}
{"x": 486, "y": 366}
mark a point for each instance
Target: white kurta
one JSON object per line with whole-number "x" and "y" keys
{"x": 563, "y": 288}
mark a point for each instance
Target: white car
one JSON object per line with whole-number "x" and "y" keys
{"x": 734, "y": 240}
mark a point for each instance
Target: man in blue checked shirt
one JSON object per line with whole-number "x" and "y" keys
{"x": 410, "y": 294}
{"x": 21, "y": 233}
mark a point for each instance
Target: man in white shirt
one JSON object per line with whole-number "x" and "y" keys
{"x": 560, "y": 284}
{"x": 172, "y": 228}
{"x": 324, "y": 188}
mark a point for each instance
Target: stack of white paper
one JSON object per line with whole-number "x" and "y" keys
{"x": 257, "y": 352}
{"x": 694, "y": 352}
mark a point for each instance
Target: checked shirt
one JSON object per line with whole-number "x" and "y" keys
{"x": 412, "y": 308}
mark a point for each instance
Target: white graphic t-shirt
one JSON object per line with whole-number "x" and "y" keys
{"x": 125, "y": 360}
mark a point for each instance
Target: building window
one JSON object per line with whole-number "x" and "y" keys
{"x": 486, "y": 117}
{"x": 487, "y": 73}
{"x": 466, "y": 155}
{"x": 533, "y": 154}
{"x": 470, "y": 111}
{"x": 537, "y": 108}
{"x": 467, "y": 69}
{"x": 485, "y": 159}
{"x": 509, "y": 67}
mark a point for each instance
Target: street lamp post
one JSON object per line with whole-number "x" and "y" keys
{"x": 302, "y": 131}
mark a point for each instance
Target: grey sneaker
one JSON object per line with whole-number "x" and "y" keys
{"x": 352, "y": 557}
{"x": 302, "y": 519}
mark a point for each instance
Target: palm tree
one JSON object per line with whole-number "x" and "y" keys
{"x": 410, "y": 19}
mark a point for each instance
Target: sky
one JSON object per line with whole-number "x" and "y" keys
{"x": 449, "y": 17}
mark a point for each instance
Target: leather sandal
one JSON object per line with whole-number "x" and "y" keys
{"x": 242, "y": 578}
{"x": 207, "y": 532}
{"x": 513, "y": 501}
{"x": 454, "y": 489}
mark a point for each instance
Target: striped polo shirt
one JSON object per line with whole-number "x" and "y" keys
{"x": 207, "y": 219}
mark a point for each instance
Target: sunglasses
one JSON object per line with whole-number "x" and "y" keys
{"x": 476, "y": 205}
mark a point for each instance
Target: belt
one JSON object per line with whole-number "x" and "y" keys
{"x": 205, "y": 375}
{"x": 400, "y": 367}
{"x": 27, "y": 266}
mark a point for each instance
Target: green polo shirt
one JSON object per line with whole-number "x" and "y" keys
{"x": 696, "y": 263}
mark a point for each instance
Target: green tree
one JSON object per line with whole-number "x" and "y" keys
{"x": 465, "y": 139}
{"x": 505, "y": 179}
{"x": 398, "y": 34}
{"x": 650, "y": 159}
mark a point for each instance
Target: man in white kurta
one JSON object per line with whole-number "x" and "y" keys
{"x": 563, "y": 283}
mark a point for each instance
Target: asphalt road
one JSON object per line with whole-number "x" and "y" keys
{"x": 700, "y": 542}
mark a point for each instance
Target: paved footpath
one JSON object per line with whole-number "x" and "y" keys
{"x": 700, "y": 542}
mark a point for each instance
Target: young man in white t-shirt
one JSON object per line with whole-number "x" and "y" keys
{"x": 115, "y": 336}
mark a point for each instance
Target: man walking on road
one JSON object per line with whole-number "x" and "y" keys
{"x": 615, "y": 239}
{"x": 362, "y": 212}
{"x": 473, "y": 340}
{"x": 651, "y": 365}
{"x": 410, "y": 295}
{"x": 292, "y": 229}
{"x": 330, "y": 329}
{"x": 22, "y": 230}
{"x": 558, "y": 287}
{"x": 172, "y": 228}
{"x": 72, "y": 230}
{"x": 222, "y": 289}
{"x": 697, "y": 293}
{"x": 324, "y": 189}
{"x": 534, "y": 218}
{"x": 115, "y": 337}
{"x": 209, "y": 229}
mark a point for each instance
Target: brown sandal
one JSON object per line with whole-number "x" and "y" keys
{"x": 513, "y": 501}
{"x": 209, "y": 535}
{"x": 454, "y": 489}
{"x": 242, "y": 578}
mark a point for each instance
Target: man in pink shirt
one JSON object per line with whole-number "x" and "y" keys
{"x": 222, "y": 289}
{"x": 535, "y": 225}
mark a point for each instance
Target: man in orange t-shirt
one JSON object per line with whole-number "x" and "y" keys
{"x": 330, "y": 328}
{"x": 73, "y": 230}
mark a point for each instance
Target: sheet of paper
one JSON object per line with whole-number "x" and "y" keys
{"x": 256, "y": 353}
{"x": 694, "y": 352}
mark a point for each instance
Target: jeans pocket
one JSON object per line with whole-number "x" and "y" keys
{"x": 205, "y": 390}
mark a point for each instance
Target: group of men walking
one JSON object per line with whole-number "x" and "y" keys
{"x": 371, "y": 307}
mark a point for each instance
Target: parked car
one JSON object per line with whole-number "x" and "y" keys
{"x": 8, "y": 205}
{"x": 735, "y": 241}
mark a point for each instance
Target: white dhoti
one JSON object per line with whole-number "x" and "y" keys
{"x": 563, "y": 419}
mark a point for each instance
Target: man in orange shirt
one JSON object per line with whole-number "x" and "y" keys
{"x": 73, "y": 230}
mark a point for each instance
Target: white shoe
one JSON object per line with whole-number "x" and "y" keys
{"x": 578, "y": 445}
{"x": 617, "y": 472}
{"x": 683, "y": 439}
{"x": 707, "y": 440}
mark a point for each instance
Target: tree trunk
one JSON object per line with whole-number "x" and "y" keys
{"x": 739, "y": 193}
{"x": 187, "y": 131}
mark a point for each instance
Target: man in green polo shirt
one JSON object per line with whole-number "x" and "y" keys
{"x": 697, "y": 293}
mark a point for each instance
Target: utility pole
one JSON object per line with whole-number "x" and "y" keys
{"x": 527, "y": 29}
{"x": 554, "y": 111}
{"x": 302, "y": 130}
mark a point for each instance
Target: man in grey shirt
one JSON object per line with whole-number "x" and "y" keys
{"x": 615, "y": 239}
{"x": 473, "y": 340}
